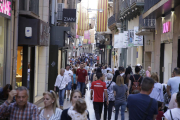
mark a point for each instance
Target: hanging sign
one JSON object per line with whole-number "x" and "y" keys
{"x": 138, "y": 40}
{"x": 125, "y": 39}
{"x": 166, "y": 27}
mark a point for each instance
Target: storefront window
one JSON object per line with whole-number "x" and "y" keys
{"x": 2, "y": 45}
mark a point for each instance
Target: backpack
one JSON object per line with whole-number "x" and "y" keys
{"x": 136, "y": 85}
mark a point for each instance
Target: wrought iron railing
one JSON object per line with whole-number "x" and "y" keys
{"x": 146, "y": 23}
{"x": 111, "y": 20}
{"x": 29, "y": 5}
{"x": 124, "y": 4}
{"x": 149, "y": 3}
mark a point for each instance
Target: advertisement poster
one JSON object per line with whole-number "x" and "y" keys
{"x": 138, "y": 40}
{"x": 130, "y": 38}
{"x": 125, "y": 39}
{"x": 118, "y": 40}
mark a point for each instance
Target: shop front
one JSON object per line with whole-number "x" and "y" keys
{"x": 166, "y": 47}
{"x": 5, "y": 18}
{"x": 33, "y": 38}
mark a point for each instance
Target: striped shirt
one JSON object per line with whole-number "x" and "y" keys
{"x": 30, "y": 112}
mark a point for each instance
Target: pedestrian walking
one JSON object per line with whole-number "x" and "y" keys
{"x": 98, "y": 89}
{"x": 74, "y": 80}
{"x": 109, "y": 84}
{"x": 142, "y": 106}
{"x": 60, "y": 85}
{"x": 82, "y": 79}
{"x": 157, "y": 92}
{"x": 50, "y": 111}
{"x": 148, "y": 72}
{"x": 142, "y": 71}
{"x": 79, "y": 111}
{"x": 21, "y": 109}
{"x": 69, "y": 74}
{"x": 160, "y": 112}
{"x": 75, "y": 95}
{"x": 173, "y": 83}
{"x": 98, "y": 70}
{"x": 135, "y": 81}
{"x": 115, "y": 76}
{"x": 120, "y": 90}
{"x": 174, "y": 114}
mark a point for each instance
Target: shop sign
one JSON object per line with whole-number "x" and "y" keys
{"x": 166, "y": 27}
{"x": 69, "y": 15}
{"x": 138, "y": 40}
{"x": 108, "y": 46}
{"x": 5, "y": 7}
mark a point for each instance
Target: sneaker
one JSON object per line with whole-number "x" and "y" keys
{"x": 67, "y": 99}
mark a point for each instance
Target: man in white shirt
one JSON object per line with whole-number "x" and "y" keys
{"x": 104, "y": 71}
{"x": 69, "y": 74}
{"x": 109, "y": 68}
{"x": 61, "y": 83}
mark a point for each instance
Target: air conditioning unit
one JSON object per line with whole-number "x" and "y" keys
{"x": 60, "y": 7}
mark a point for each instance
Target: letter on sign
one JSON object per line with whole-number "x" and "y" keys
{"x": 166, "y": 27}
{"x": 5, "y": 7}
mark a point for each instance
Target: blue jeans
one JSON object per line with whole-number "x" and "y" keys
{"x": 61, "y": 96}
{"x": 123, "y": 107}
{"x": 68, "y": 87}
{"x": 81, "y": 86}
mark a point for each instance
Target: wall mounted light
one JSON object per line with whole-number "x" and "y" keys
{"x": 172, "y": 9}
{"x": 163, "y": 16}
{"x": 135, "y": 8}
{"x": 132, "y": 10}
{"x": 128, "y": 12}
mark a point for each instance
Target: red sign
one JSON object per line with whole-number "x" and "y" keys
{"x": 5, "y": 7}
{"x": 166, "y": 27}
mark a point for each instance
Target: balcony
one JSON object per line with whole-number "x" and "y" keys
{"x": 112, "y": 23}
{"x": 146, "y": 26}
{"x": 130, "y": 8}
{"x": 29, "y": 8}
{"x": 149, "y": 4}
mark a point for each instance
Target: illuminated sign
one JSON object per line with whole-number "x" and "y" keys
{"x": 166, "y": 27}
{"x": 5, "y": 7}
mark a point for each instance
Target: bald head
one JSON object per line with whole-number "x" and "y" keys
{"x": 62, "y": 71}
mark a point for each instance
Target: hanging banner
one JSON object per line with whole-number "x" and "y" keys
{"x": 83, "y": 18}
{"x": 138, "y": 40}
{"x": 131, "y": 38}
{"x": 125, "y": 39}
{"x": 118, "y": 40}
{"x": 102, "y": 15}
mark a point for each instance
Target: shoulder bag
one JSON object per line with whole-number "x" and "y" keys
{"x": 109, "y": 84}
{"x": 171, "y": 115}
{"x": 57, "y": 88}
{"x": 147, "y": 110}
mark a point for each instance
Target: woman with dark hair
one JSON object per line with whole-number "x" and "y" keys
{"x": 135, "y": 81}
{"x": 4, "y": 92}
{"x": 98, "y": 70}
{"x": 127, "y": 76}
{"x": 75, "y": 95}
{"x": 115, "y": 76}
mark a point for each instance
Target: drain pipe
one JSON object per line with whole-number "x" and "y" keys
{"x": 15, "y": 42}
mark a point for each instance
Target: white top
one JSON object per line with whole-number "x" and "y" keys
{"x": 56, "y": 116}
{"x": 61, "y": 82}
{"x": 77, "y": 116}
{"x": 104, "y": 71}
{"x": 175, "y": 114}
{"x": 174, "y": 83}
{"x": 173, "y": 103}
{"x": 68, "y": 74}
{"x": 109, "y": 69}
{"x": 157, "y": 92}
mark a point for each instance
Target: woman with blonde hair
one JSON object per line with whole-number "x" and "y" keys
{"x": 50, "y": 110}
{"x": 120, "y": 90}
{"x": 157, "y": 92}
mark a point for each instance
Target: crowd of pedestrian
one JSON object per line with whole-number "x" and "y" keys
{"x": 111, "y": 90}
